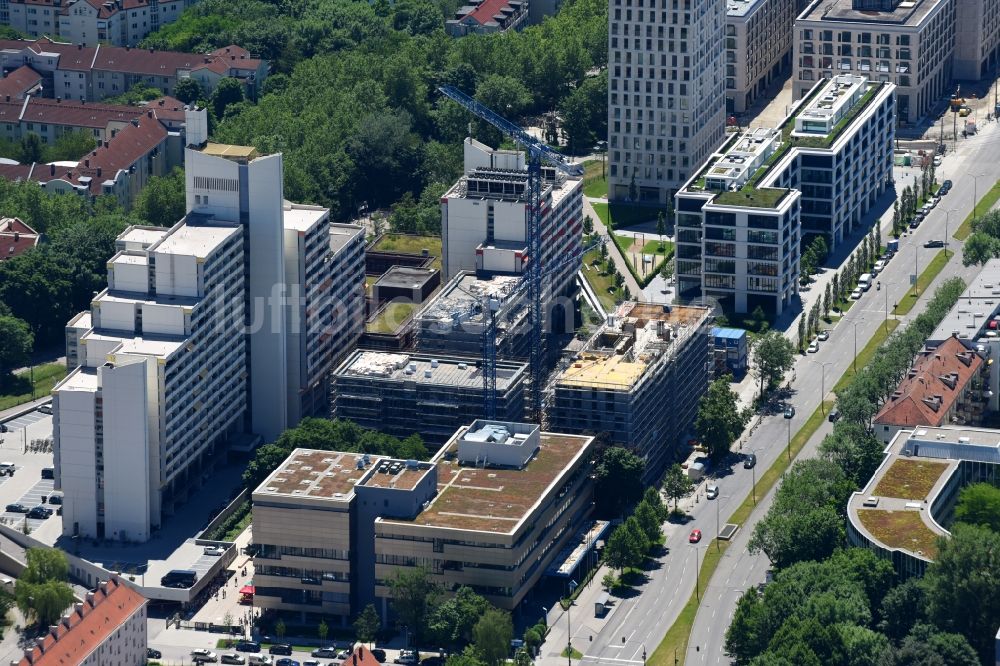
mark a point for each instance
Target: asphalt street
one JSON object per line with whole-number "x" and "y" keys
{"x": 739, "y": 569}
{"x": 638, "y": 624}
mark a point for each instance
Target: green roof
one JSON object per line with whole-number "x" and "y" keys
{"x": 750, "y": 194}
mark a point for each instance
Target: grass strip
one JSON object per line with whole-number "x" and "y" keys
{"x": 868, "y": 353}
{"x": 602, "y": 284}
{"x": 983, "y": 206}
{"x": 46, "y": 376}
{"x": 927, "y": 276}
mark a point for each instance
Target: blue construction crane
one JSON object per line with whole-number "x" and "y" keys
{"x": 536, "y": 152}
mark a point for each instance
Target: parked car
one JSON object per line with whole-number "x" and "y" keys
{"x": 45, "y": 409}
{"x": 324, "y": 652}
{"x": 857, "y": 293}
{"x": 813, "y": 347}
{"x": 834, "y": 415}
{"x": 7, "y": 468}
{"x": 153, "y": 654}
{"x": 48, "y": 473}
{"x": 379, "y": 655}
{"x": 934, "y": 243}
{"x": 311, "y": 662}
{"x": 17, "y": 507}
{"x": 214, "y": 550}
{"x": 3, "y": 427}
{"x": 259, "y": 660}
{"x": 937, "y": 160}
{"x": 55, "y": 499}
{"x": 712, "y": 491}
{"x": 233, "y": 658}
{"x": 287, "y": 662}
{"x": 280, "y": 648}
{"x": 39, "y": 512}
{"x": 790, "y": 412}
{"x": 695, "y": 536}
{"x": 750, "y": 461}
{"x": 343, "y": 654}
{"x": 823, "y": 335}
{"x": 203, "y": 655}
{"x": 407, "y": 657}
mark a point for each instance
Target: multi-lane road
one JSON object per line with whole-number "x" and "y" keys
{"x": 639, "y": 623}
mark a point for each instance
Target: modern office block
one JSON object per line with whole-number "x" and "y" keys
{"x": 909, "y": 44}
{"x": 639, "y": 381}
{"x": 742, "y": 219}
{"x": 491, "y": 510}
{"x": 666, "y": 111}
{"x": 403, "y": 394}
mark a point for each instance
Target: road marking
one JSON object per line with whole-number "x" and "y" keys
{"x": 611, "y": 659}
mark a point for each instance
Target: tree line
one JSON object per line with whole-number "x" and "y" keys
{"x": 835, "y": 605}
{"x": 352, "y": 102}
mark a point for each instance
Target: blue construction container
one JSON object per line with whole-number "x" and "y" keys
{"x": 731, "y": 351}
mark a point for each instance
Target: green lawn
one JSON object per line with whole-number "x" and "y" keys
{"x": 935, "y": 266}
{"x": 655, "y": 247}
{"x": 620, "y": 215}
{"x": 392, "y": 317}
{"x": 411, "y": 245}
{"x": 18, "y": 391}
{"x": 984, "y": 205}
{"x": 576, "y": 653}
{"x": 601, "y": 284}
{"x": 594, "y": 183}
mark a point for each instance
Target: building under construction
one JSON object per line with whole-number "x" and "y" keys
{"x": 639, "y": 379}
{"x": 455, "y": 320}
{"x": 403, "y": 394}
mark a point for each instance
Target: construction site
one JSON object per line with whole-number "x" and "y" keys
{"x": 403, "y": 394}
{"x": 639, "y": 379}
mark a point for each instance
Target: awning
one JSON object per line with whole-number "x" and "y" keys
{"x": 247, "y": 589}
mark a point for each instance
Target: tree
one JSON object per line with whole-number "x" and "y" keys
{"x": 616, "y": 476}
{"x": 188, "y": 90}
{"x": 492, "y": 635}
{"x": 661, "y": 226}
{"x": 367, "y": 624}
{"x": 70, "y": 146}
{"x": 979, "y": 504}
{"x": 902, "y": 608}
{"x": 773, "y": 355}
{"x": 414, "y": 595}
{"x": 588, "y": 226}
{"x": 928, "y": 646}
{"x": 676, "y": 484}
{"x": 31, "y": 148}
{"x": 162, "y": 202}
{"x": 228, "y": 91}
{"x": 827, "y": 300}
{"x": 720, "y": 420}
{"x": 649, "y": 521}
{"x": 979, "y": 248}
{"x": 451, "y": 622}
{"x": 963, "y": 586}
{"x": 625, "y": 547}
{"x": 279, "y": 628}
{"x": 41, "y": 592}
{"x": 801, "y": 336}
{"x": 323, "y": 630}
{"x": 467, "y": 657}
{"x": 854, "y": 449}
{"x": 16, "y": 341}
{"x": 652, "y": 497}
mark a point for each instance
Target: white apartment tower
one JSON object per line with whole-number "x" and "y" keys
{"x": 484, "y": 219}
{"x": 666, "y": 97}
{"x": 227, "y": 323}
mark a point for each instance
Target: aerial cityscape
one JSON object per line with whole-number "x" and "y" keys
{"x": 500, "y": 332}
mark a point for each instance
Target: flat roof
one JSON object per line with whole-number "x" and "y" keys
{"x": 342, "y": 234}
{"x": 119, "y": 296}
{"x": 731, "y": 333}
{"x": 742, "y": 7}
{"x": 449, "y": 371}
{"x": 142, "y": 234}
{"x": 979, "y": 303}
{"x": 495, "y": 499}
{"x": 405, "y": 277}
{"x": 133, "y": 259}
{"x": 300, "y": 217}
{"x": 80, "y": 379}
{"x": 908, "y": 13}
{"x": 397, "y": 474}
{"x": 239, "y": 153}
{"x": 329, "y": 475}
{"x": 464, "y": 292}
{"x": 196, "y": 240}
{"x": 147, "y": 346}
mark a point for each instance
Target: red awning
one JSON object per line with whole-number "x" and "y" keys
{"x": 246, "y": 589}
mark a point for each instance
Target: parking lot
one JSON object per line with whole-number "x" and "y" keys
{"x": 22, "y": 422}
{"x": 32, "y": 498}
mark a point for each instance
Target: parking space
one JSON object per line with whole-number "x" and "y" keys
{"x": 32, "y": 498}
{"x": 26, "y": 420}
{"x": 204, "y": 563}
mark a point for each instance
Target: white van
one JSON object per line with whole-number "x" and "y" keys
{"x": 865, "y": 281}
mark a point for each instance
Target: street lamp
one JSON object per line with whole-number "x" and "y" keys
{"x": 697, "y": 578}
{"x": 753, "y": 468}
{"x": 822, "y": 393}
{"x": 601, "y": 148}
{"x": 643, "y": 654}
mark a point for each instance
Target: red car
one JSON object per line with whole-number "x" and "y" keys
{"x": 695, "y": 536}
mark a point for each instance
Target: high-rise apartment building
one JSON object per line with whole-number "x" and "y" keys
{"x": 666, "y": 92}
{"x": 227, "y": 323}
{"x": 910, "y": 44}
{"x": 758, "y": 48}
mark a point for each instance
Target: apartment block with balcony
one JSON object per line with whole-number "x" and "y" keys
{"x": 491, "y": 510}
{"x": 741, "y": 220}
{"x": 666, "y": 86}
{"x": 909, "y": 44}
{"x": 758, "y": 48}
{"x": 117, "y": 22}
